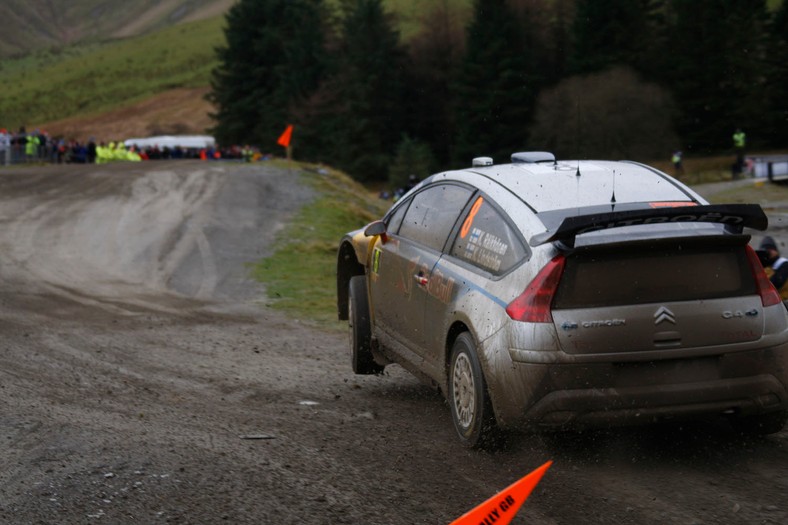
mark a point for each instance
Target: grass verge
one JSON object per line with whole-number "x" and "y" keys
{"x": 300, "y": 276}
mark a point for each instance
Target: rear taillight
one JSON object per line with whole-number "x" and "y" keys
{"x": 769, "y": 294}
{"x": 533, "y": 305}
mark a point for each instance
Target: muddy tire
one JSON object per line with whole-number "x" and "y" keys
{"x": 471, "y": 408}
{"x": 360, "y": 329}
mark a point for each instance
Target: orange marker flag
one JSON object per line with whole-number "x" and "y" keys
{"x": 502, "y": 508}
{"x": 284, "y": 138}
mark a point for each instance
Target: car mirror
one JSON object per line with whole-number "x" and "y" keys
{"x": 375, "y": 228}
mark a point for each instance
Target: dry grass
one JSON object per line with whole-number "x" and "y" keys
{"x": 178, "y": 111}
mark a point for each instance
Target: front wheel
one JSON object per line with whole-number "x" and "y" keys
{"x": 360, "y": 328}
{"x": 471, "y": 408}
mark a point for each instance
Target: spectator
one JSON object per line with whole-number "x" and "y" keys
{"x": 5, "y": 147}
{"x": 739, "y": 144}
{"x": 678, "y": 167}
{"x": 90, "y": 155}
{"x": 31, "y": 147}
{"x": 775, "y": 265}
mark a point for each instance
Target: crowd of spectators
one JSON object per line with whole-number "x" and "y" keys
{"x": 39, "y": 147}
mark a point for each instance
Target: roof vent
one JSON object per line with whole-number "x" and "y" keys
{"x": 482, "y": 161}
{"x": 532, "y": 157}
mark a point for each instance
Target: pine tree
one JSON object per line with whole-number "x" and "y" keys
{"x": 776, "y": 67}
{"x": 435, "y": 53}
{"x": 716, "y": 70}
{"x": 560, "y": 37}
{"x": 413, "y": 158}
{"x": 274, "y": 58}
{"x": 371, "y": 81}
{"x": 496, "y": 87}
{"x": 614, "y": 32}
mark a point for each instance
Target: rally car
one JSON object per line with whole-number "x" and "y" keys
{"x": 545, "y": 294}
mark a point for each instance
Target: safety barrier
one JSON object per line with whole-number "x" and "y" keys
{"x": 17, "y": 154}
{"x": 773, "y": 167}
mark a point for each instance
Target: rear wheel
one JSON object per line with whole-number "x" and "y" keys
{"x": 761, "y": 424}
{"x": 360, "y": 328}
{"x": 471, "y": 408}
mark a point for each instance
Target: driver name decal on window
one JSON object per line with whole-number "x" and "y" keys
{"x": 485, "y": 249}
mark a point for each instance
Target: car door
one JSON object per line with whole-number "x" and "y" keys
{"x": 401, "y": 266}
{"x": 483, "y": 248}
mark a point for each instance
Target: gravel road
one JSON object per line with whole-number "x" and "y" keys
{"x": 142, "y": 380}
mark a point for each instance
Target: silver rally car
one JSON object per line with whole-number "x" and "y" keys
{"x": 555, "y": 294}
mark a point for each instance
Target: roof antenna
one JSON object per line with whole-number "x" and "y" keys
{"x": 613, "y": 198}
{"x": 577, "y": 173}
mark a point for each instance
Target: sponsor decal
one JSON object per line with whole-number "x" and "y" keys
{"x": 440, "y": 287}
{"x": 376, "y": 260}
{"x": 671, "y": 204}
{"x": 659, "y": 219}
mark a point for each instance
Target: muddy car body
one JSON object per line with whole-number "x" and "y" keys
{"x": 550, "y": 294}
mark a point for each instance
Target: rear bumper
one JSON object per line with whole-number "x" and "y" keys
{"x": 622, "y": 393}
{"x": 649, "y": 404}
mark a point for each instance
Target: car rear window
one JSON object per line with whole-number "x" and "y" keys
{"x": 614, "y": 278}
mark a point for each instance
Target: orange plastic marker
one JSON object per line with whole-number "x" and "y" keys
{"x": 284, "y": 138}
{"x": 502, "y": 508}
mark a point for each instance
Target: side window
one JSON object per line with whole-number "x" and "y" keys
{"x": 486, "y": 240}
{"x": 393, "y": 222}
{"x": 433, "y": 213}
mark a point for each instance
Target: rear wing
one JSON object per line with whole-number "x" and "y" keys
{"x": 735, "y": 217}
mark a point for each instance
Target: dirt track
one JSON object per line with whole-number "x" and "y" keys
{"x": 143, "y": 381}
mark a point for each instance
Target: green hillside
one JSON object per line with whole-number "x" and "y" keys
{"x": 29, "y": 25}
{"x": 93, "y": 78}
{"x": 59, "y": 81}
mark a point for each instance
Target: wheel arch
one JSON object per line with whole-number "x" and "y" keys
{"x": 488, "y": 433}
{"x": 348, "y": 266}
{"x": 456, "y": 328}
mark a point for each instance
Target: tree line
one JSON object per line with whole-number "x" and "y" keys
{"x": 631, "y": 79}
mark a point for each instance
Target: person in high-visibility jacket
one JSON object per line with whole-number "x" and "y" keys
{"x": 31, "y": 148}
{"x": 132, "y": 155}
{"x": 739, "y": 139}
{"x": 101, "y": 153}
{"x": 120, "y": 151}
{"x": 739, "y": 142}
{"x": 246, "y": 153}
{"x": 677, "y": 165}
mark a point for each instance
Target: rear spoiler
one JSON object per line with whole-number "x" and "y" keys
{"x": 735, "y": 217}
